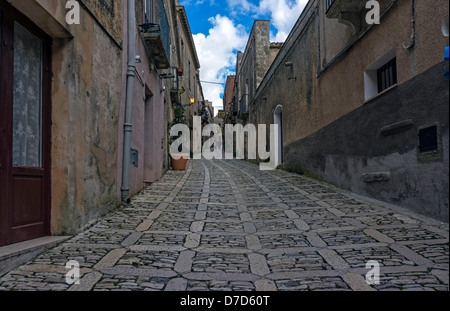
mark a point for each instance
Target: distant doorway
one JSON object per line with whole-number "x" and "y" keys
{"x": 148, "y": 135}
{"x": 278, "y": 120}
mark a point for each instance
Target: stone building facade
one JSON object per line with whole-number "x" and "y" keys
{"x": 150, "y": 106}
{"x": 210, "y": 111}
{"x": 189, "y": 82}
{"x": 228, "y": 93}
{"x": 62, "y": 95}
{"x": 251, "y": 67}
{"x": 362, "y": 106}
{"x": 72, "y": 114}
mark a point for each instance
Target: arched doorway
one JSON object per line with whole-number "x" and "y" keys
{"x": 278, "y": 120}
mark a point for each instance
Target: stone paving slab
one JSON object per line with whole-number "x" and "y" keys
{"x": 225, "y": 225}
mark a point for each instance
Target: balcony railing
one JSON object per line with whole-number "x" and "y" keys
{"x": 329, "y": 3}
{"x": 157, "y": 39}
{"x": 165, "y": 27}
{"x": 175, "y": 86}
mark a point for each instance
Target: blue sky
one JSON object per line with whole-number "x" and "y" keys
{"x": 221, "y": 28}
{"x": 199, "y": 13}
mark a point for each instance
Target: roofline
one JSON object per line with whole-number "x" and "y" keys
{"x": 310, "y": 9}
{"x": 187, "y": 28}
{"x": 253, "y": 30}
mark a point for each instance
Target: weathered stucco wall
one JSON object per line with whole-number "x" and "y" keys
{"x": 89, "y": 65}
{"x": 340, "y": 88}
{"x": 109, "y": 14}
{"x": 351, "y": 150}
{"x": 86, "y": 97}
{"x": 86, "y": 92}
{"x": 318, "y": 96}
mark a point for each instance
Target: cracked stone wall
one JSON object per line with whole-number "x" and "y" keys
{"x": 109, "y": 14}
{"x": 86, "y": 98}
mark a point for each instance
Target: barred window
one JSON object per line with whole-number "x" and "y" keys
{"x": 387, "y": 75}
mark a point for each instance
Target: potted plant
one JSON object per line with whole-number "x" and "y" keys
{"x": 178, "y": 160}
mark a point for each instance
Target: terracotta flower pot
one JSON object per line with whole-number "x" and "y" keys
{"x": 179, "y": 161}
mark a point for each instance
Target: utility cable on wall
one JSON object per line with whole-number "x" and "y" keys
{"x": 209, "y": 82}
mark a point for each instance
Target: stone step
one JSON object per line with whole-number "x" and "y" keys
{"x": 12, "y": 256}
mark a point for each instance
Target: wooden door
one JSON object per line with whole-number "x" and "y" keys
{"x": 25, "y": 128}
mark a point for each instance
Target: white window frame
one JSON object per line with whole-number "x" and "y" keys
{"x": 371, "y": 76}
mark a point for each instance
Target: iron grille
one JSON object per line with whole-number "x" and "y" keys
{"x": 387, "y": 75}
{"x": 165, "y": 28}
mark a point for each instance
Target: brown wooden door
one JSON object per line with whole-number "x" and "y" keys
{"x": 24, "y": 127}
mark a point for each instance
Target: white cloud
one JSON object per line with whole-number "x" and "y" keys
{"x": 217, "y": 50}
{"x": 284, "y": 14}
{"x": 217, "y": 54}
{"x": 242, "y": 7}
{"x": 189, "y": 2}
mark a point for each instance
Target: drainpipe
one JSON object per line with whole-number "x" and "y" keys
{"x": 412, "y": 39}
{"x": 128, "y": 126}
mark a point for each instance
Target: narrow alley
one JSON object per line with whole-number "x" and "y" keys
{"x": 225, "y": 225}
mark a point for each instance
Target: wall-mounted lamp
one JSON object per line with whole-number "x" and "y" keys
{"x": 289, "y": 64}
{"x": 138, "y": 59}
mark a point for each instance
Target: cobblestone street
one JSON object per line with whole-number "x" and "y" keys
{"x": 225, "y": 225}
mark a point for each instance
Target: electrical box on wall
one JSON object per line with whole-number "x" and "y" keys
{"x": 135, "y": 157}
